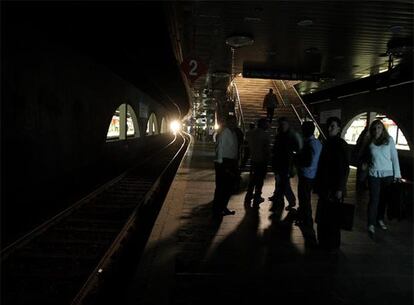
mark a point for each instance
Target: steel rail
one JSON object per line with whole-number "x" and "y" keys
{"x": 93, "y": 281}
{"x": 7, "y": 251}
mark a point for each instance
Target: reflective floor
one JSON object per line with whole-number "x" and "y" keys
{"x": 257, "y": 256}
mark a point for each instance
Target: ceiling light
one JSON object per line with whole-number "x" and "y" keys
{"x": 312, "y": 51}
{"x": 396, "y": 29}
{"x": 238, "y": 41}
{"x": 220, "y": 74}
{"x": 305, "y": 22}
{"x": 252, "y": 19}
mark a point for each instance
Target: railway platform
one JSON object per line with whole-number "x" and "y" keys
{"x": 256, "y": 256}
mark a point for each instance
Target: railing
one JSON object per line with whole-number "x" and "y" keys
{"x": 278, "y": 93}
{"x": 297, "y": 114}
{"x": 235, "y": 93}
{"x": 309, "y": 113}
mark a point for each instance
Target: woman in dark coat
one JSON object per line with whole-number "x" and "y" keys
{"x": 333, "y": 169}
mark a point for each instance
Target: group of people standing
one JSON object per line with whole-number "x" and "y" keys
{"x": 320, "y": 167}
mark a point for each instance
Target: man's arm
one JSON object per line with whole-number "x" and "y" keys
{"x": 265, "y": 101}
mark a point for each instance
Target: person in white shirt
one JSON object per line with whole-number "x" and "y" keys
{"x": 383, "y": 168}
{"x": 226, "y": 167}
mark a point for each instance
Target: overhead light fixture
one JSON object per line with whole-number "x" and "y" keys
{"x": 220, "y": 74}
{"x": 312, "y": 51}
{"x": 396, "y": 29}
{"x": 238, "y": 41}
{"x": 252, "y": 19}
{"x": 305, "y": 22}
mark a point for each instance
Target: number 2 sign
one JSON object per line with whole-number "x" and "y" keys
{"x": 193, "y": 68}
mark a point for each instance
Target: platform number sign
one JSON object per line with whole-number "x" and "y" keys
{"x": 193, "y": 68}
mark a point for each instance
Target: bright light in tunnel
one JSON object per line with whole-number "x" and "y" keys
{"x": 216, "y": 126}
{"x": 175, "y": 126}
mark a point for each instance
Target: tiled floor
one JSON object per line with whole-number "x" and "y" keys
{"x": 256, "y": 256}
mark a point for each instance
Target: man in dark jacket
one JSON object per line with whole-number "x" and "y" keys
{"x": 259, "y": 145}
{"x": 286, "y": 144}
{"x": 333, "y": 169}
{"x": 270, "y": 103}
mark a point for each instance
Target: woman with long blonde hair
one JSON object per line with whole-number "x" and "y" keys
{"x": 383, "y": 169}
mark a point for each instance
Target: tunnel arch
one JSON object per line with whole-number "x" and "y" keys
{"x": 164, "y": 125}
{"x": 123, "y": 124}
{"x": 356, "y": 125}
{"x": 152, "y": 125}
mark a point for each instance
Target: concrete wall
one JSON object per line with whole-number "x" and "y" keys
{"x": 395, "y": 102}
{"x": 56, "y": 109}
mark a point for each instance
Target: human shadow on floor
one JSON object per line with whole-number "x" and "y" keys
{"x": 197, "y": 230}
{"x": 228, "y": 262}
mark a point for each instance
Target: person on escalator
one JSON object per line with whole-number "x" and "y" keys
{"x": 270, "y": 102}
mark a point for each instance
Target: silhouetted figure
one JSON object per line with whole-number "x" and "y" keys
{"x": 359, "y": 149}
{"x": 383, "y": 168}
{"x": 307, "y": 162}
{"x": 330, "y": 184}
{"x": 286, "y": 144}
{"x": 226, "y": 167}
{"x": 246, "y": 151}
{"x": 270, "y": 102}
{"x": 240, "y": 141}
{"x": 259, "y": 145}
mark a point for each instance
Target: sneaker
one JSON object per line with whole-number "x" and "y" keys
{"x": 371, "y": 229}
{"x": 258, "y": 200}
{"x": 248, "y": 198}
{"x": 226, "y": 212}
{"x": 290, "y": 207}
{"x": 382, "y": 225}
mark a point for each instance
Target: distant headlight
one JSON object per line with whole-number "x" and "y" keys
{"x": 175, "y": 126}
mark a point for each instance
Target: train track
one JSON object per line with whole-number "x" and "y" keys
{"x": 66, "y": 259}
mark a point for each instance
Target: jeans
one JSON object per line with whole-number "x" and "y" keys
{"x": 225, "y": 178}
{"x": 256, "y": 179}
{"x": 378, "y": 198}
{"x": 283, "y": 189}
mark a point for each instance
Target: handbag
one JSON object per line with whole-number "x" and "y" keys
{"x": 347, "y": 216}
{"x": 336, "y": 212}
{"x": 399, "y": 200}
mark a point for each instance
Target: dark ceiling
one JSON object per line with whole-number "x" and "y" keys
{"x": 343, "y": 40}
{"x": 130, "y": 38}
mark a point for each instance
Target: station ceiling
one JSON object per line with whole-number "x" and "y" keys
{"x": 131, "y": 38}
{"x": 334, "y": 41}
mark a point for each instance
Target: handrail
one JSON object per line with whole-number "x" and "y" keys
{"x": 297, "y": 114}
{"x": 239, "y": 105}
{"x": 309, "y": 113}
{"x": 278, "y": 92}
